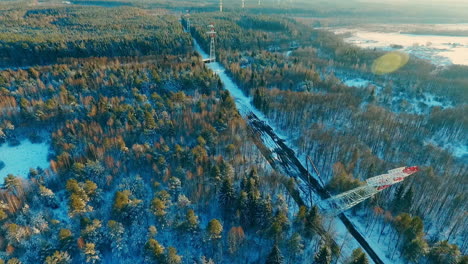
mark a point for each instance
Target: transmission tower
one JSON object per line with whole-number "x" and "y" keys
{"x": 212, "y": 34}
{"x": 187, "y": 20}
{"x": 221, "y": 6}
{"x": 259, "y": 2}
{"x": 346, "y": 200}
{"x": 243, "y": 4}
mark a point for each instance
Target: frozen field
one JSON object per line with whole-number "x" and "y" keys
{"x": 440, "y": 50}
{"x": 19, "y": 159}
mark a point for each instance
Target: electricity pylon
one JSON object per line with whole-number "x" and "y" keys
{"x": 187, "y": 20}
{"x": 212, "y": 34}
{"x": 346, "y": 200}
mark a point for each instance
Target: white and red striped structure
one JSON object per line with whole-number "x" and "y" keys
{"x": 212, "y": 34}
{"x": 346, "y": 200}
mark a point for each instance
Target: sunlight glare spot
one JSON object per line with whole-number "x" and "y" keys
{"x": 389, "y": 62}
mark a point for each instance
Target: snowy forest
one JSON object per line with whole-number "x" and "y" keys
{"x": 149, "y": 159}
{"x": 356, "y": 132}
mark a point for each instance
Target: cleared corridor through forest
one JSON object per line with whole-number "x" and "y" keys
{"x": 279, "y": 155}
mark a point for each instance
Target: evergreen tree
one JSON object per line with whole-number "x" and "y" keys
{"x": 323, "y": 256}
{"x": 91, "y": 255}
{"x": 415, "y": 229}
{"x": 150, "y": 123}
{"x": 415, "y": 249}
{"x": 172, "y": 257}
{"x": 155, "y": 250}
{"x": 312, "y": 222}
{"x": 215, "y": 175}
{"x": 66, "y": 241}
{"x": 275, "y": 256}
{"x": 257, "y": 99}
{"x": 158, "y": 207}
{"x": 227, "y": 196}
{"x": 279, "y": 224}
{"x": 358, "y": 257}
{"x": 443, "y": 252}
{"x": 463, "y": 260}
{"x": 407, "y": 200}
{"x": 262, "y": 212}
{"x": 58, "y": 258}
{"x": 214, "y": 229}
{"x": 295, "y": 245}
{"x": 174, "y": 186}
{"x": 398, "y": 198}
{"x": 191, "y": 223}
{"x": 14, "y": 261}
{"x": 243, "y": 212}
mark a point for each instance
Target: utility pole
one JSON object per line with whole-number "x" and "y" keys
{"x": 212, "y": 34}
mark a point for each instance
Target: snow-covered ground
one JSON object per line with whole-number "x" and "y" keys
{"x": 417, "y": 105}
{"x": 343, "y": 238}
{"x": 440, "y": 50}
{"x": 457, "y": 150}
{"x": 19, "y": 159}
{"x": 357, "y": 82}
{"x": 382, "y": 246}
{"x": 243, "y": 102}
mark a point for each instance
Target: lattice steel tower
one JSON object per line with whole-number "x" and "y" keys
{"x": 221, "y": 6}
{"x": 212, "y": 34}
{"x": 346, "y": 200}
{"x": 187, "y": 20}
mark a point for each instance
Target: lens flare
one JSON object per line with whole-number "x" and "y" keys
{"x": 389, "y": 62}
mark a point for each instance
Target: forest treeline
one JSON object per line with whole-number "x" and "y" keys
{"x": 47, "y": 35}
{"x": 357, "y": 131}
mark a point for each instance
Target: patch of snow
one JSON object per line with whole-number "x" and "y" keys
{"x": 61, "y": 213}
{"x": 440, "y": 50}
{"x": 427, "y": 100}
{"x": 357, "y": 82}
{"x": 430, "y": 100}
{"x": 458, "y": 150}
{"x": 383, "y": 247}
{"x": 344, "y": 239}
{"x": 19, "y": 159}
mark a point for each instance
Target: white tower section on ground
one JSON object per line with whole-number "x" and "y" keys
{"x": 346, "y": 200}
{"x": 212, "y": 34}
